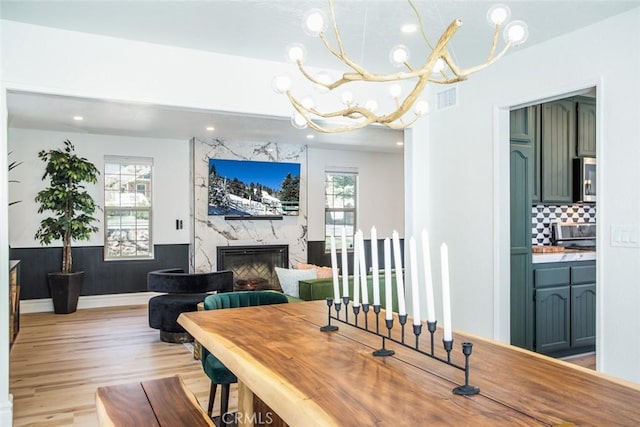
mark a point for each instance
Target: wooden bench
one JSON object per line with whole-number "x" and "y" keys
{"x": 166, "y": 402}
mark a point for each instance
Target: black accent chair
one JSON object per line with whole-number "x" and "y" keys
{"x": 184, "y": 291}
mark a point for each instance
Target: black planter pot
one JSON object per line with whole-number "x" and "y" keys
{"x": 65, "y": 291}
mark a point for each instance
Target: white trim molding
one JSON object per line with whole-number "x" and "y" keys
{"x": 45, "y": 305}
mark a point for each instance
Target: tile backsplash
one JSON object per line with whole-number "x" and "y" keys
{"x": 543, "y": 215}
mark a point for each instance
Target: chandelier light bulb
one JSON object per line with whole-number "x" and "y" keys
{"x": 516, "y": 32}
{"x": 295, "y": 52}
{"x": 395, "y": 90}
{"x": 347, "y": 98}
{"x": 422, "y": 107}
{"x": 438, "y": 67}
{"x": 371, "y": 105}
{"x": 498, "y": 14}
{"x": 281, "y": 83}
{"x": 399, "y": 55}
{"x": 298, "y": 121}
{"x": 315, "y": 22}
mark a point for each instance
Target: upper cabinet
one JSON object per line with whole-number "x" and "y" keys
{"x": 558, "y": 142}
{"x": 554, "y": 133}
{"x": 586, "y": 127}
{"x": 525, "y": 132}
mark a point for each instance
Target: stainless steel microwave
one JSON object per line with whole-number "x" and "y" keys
{"x": 584, "y": 179}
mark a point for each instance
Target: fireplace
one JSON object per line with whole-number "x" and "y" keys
{"x": 255, "y": 264}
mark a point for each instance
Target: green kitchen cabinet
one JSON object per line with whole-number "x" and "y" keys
{"x": 583, "y": 315}
{"x": 557, "y": 140}
{"x": 565, "y": 307}
{"x": 521, "y": 287}
{"x": 585, "y": 127}
{"x": 525, "y": 131}
{"x": 553, "y": 331}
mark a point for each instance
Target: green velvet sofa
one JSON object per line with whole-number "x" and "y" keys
{"x": 320, "y": 289}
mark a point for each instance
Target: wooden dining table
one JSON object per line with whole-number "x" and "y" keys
{"x": 306, "y": 377}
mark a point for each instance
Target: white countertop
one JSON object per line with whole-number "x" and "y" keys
{"x": 566, "y": 256}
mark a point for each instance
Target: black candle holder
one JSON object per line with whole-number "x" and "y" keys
{"x": 464, "y": 390}
{"x": 376, "y": 310}
{"x": 384, "y": 351}
{"x": 329, "y": 327}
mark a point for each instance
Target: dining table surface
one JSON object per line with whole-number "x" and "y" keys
{"x": 314, "y": 378}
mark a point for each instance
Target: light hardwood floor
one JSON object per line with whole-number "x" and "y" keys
{"x": 58, "y": 361}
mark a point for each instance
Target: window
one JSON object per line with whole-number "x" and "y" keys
{"x": 340, "y": 192}
{"x": 127, "y": 208}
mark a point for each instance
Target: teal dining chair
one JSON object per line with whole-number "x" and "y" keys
{"x": 215, "y": 370}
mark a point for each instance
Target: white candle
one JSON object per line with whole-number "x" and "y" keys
{"x": 374, "y": 266}
{"x": 356, "y": 273}
{"x": 415, "y": 297}
{"x": 446, "y": 293}
{"x": 428, "y": 278}
{"x": 345, "y": 265}
{"x": 402, "y": 309}
{"x": 334, "y": 270}
{"x": 363, "y": 269}
{"x": 388, "y": 307}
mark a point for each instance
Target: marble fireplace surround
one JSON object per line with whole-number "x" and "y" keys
{"x": 213, "y": 232}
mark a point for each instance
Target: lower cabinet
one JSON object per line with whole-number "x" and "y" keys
{"x": 565, "y": 307}
{"x": 583, "y": 315}
{"x": 553, "y": 318}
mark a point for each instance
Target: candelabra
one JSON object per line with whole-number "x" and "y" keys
{"x": 465, "y": 390}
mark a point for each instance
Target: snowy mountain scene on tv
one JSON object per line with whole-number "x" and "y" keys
{"x": 253, "y": 188}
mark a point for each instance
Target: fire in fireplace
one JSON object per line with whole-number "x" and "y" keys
{"x": 253, "y": 267}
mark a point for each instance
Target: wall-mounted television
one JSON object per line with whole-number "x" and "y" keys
{"x": 249, "y": 188}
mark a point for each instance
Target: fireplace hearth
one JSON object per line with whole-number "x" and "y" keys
{"x": 253, "y": 267}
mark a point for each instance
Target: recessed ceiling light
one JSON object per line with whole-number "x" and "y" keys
{"x": 409, "y": 28}
{"x": 210, "y": 128}
{"x": 400, "y": 143}
{"x": 78, "y": 118}
{"x": 310, "y": 136}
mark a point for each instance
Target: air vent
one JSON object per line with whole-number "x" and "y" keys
{"x": 447, "y": 98}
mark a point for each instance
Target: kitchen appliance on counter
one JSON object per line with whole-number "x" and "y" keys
{"x": 574, "y": 235}
{"x": 584, "y": 179}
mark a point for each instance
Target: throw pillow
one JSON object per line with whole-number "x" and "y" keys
{"x": 289, "y": 278}
{"x": 323, "y": 272}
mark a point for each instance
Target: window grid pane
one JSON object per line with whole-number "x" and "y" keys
{"x": 128, "y": 210}
{"x": 340, "y": 208}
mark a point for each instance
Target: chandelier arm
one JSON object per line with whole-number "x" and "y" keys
{"x": 468, "y": 71}
{"x": 494, "y": 43}
{"x": 335, "y": 28}
{"x": 408, "y": 102}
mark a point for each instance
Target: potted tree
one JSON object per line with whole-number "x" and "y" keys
{"x": 72, "y": 218}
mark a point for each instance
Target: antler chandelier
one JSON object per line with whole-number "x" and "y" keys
{"x": 439, "y": 67}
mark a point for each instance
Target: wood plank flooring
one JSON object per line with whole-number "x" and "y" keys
{"x": 58, "y": 361}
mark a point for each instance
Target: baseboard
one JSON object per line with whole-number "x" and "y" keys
{"x": 6, "y": 412}
{"x": 45, "y": 305}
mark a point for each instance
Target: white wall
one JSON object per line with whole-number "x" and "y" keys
{"x": 466, "y": 172}
{"x": 170, "y": 192}
{"x": 381, "y": 187}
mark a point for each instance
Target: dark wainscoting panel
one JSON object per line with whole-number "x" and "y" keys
{"x": 316, "y": 254}
{"x": 100, "y": 277}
